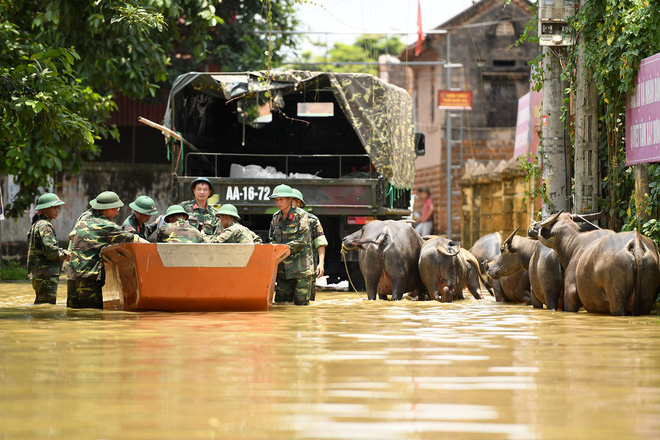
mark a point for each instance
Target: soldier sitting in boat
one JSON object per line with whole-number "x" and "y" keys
{"x": 201, "y": 215}
{"x": 45, "y": 256}
{"x": 176, "y": 228}
{"x": 86, "y": 274}
{"x": 233, "y": 232}
{"x": 143, "y": 208}
{"x": 319, "y": 241}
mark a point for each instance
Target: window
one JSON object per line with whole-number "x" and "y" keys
{"x": 505, "y": 29}
{"x": 504, "y": 102}
{"x": 316, "y": 109}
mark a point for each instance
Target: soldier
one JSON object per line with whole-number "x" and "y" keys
{"x": 85, "y": 215}
{"x": 290, "y": 226}
{"x": 202, "y": 215}
{"x": 143, "y": 208}
{"x": 319, "y": 241}
{"x": 86, "y": 274}
{"x": 45, "y": 256}
{"x": 233, "y": 232}
{"x": 176, "y": 228}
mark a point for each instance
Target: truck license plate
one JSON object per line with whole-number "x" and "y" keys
{"x": 244, "y": 193}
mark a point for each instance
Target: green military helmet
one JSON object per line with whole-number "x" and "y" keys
{"x": 106, "y": 200}
{"x": 201, "y": 180}
{"x": 48, "y": 200}
{"x": 175, "y": 209}
{"x": 228, "y": 209}
{"x": 282, "y": 191}
{"x": 298, "y": 195}
{"x": 144, "y": 205}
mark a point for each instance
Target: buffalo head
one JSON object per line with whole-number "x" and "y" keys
{"x": 561, "y": 224}
{"x": 353, "y": 242}
{"x": 507, "y": 263}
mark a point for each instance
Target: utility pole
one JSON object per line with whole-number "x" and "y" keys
{"x": 553, "y": 22}
{"x": 587, "y": 176}
{"x": 552, "y": 141}
{"x": 448, "y": 144}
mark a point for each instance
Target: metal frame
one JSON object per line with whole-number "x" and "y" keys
{"x": 285, "y": 156}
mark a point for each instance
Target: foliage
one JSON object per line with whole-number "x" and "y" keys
{"x": 618, "y": 34}
{"x": 234, "y": 44}
{"x": 650, "y": 205}
{"x": 367, "y": 48}
{"x": 63, "y": 62}
{"x": 533, "y": 173}
{"x": 13, "y": 270}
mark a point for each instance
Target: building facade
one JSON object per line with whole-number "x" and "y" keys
{"x": 477, "y": 54}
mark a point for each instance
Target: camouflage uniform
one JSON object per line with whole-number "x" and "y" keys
{"x": 179, "y": 232}
{"x": 318, "y": 240}
{"x": 84, "y": 216}
{"x": 296, "y": 273}
{"x": 206, "y": 218}
{"x": 44, "y": 260}
{"x": 236, "y": 233}
{"x": 86, "y": 274}
{"x": 143, "y": 230}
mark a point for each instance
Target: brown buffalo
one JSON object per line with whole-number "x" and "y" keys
{"x": 546, "y": 275}
{"x": 389, "y": 251}
{"x": 606, "y": 272}
{"x": 446, "y": 269}
{"x": 510, "y": 288}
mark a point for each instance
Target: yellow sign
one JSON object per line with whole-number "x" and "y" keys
{"x": 455, "y": 100}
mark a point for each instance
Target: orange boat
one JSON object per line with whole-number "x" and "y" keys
{"x": 192, "y": 277}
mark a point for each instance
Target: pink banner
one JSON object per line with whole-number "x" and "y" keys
{"x": 528, "y": 124}
{"x": 643, "y": 114}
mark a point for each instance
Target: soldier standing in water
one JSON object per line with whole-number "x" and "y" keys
{"x": 319, "y": 241}
{"x": 86, "y": 273}
{"x": 45, "y": 257}
{"x": 290, "y": 226}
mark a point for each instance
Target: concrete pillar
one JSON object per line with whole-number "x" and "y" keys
{"x": 554, "y": 151}
{"x": 587, "y": 176}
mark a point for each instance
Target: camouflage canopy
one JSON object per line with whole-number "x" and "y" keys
{"x": 380, "y": 113}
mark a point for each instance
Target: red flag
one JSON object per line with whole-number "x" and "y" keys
{"x": 420, "y": 34}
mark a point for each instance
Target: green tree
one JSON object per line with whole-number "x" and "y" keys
{"x": 618, "y": 34}
{"x": 366, "y": 48}
{"x": 63, "y": 61}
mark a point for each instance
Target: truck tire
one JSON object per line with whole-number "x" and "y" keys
{"x": 356, "y": 277}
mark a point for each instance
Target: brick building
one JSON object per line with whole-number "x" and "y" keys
{"x": 483, "y": 60}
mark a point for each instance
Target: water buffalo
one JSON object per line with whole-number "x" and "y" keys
{"x": 606, "y": 272}
{"x": 510, "y": 288}
{"x": 446, "y": 269}
{"x": 546, "y": 275}
{"x": 389, "y": 251}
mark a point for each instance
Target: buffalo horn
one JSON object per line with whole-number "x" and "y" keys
{"x": 447, "y": 253}
{"x": 510, "y": 237}
{"x": 550, "y": 220}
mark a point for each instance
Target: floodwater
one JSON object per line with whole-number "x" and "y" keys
{"x": 341, "y": 368}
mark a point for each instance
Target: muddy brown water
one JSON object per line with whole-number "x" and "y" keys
{"x": 341, "y": 368}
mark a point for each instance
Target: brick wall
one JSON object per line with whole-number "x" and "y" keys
{"x": 496, "y": 149}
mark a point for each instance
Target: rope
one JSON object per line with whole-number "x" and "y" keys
{"x": 343, "y": 256}
{"x": 390, "y": 193}
{"x": 586, "y": 221}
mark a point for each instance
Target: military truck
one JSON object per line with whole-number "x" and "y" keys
{"x": 346, "y": 141}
